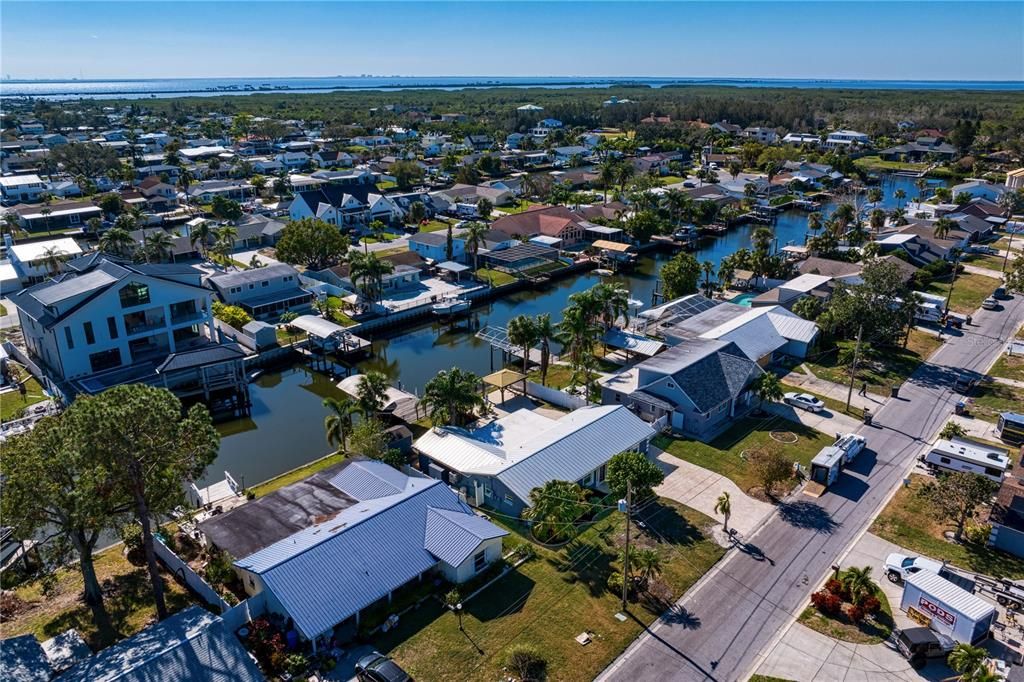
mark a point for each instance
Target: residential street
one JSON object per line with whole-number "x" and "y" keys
{"x": 721, "y": 629}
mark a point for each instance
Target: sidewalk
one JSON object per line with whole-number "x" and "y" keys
{"x": 826, "y": 421}
{"x": 975, "y": 270}
{"x": 805, "y": 379}
{"x": 699, "y": 488}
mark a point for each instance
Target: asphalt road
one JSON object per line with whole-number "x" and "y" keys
{"x": 721, "y": 627}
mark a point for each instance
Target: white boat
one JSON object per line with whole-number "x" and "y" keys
{"x": 451, "y": 305}
{"x": 603, "y": 272}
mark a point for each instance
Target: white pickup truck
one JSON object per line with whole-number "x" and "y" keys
{"x": 898, "y": 566}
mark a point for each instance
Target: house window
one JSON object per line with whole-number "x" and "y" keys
{"x": 479, "y": 561}
{"x": 112, "y": 327}
{"x": 105, "y": 359}
{"x": 69, "y": 338}
{"x": 90, "y": 337}
{"x": 602, "y": 472}
{"x": 134, "y": 294}
{"x": 266, "y": 283}
{"x": 508, "y": 499}
{"x": 989, "y": 471}
{"x": 944, "y": 460}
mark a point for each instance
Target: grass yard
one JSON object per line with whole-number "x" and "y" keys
{"x": 875, "y": 162}
{"x": 1005, "y": 243}
{"x": 12, "y": 402}
{"x": 989, "y": 399}
{"x": 969, "y": 291}
{"x": 297, "y": 474}
{"x": 1009, "y": 367}
{"x": 392, "y": 251}
{"x": 433, "y": 226}
{"x": 285, "y": 337}
{"x": 554, "y": 597}
{"x": 985, "y": 260}
{"x": 908, "y": 521}
{"x": 3, "y": 310}
{"x": 670, "y": 179}
{"x": 497, "y": 278}
{"x": 559, "y": 376}
{"x": 842, "y": 628}
{"x": 543, "y": 269}
{"x": 880, "y": 368}
{"x": 723, "y": 454}
{"x": 518, "y": 206}
{"x": 127, "y": 595}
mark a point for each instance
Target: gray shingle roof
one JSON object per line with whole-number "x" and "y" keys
{"x": 201, "y": 356}
{"x": 708, "y": 372}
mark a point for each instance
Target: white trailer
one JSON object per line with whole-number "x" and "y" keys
{"x": 946, "y": 608}
{"x": 960, "y": 454}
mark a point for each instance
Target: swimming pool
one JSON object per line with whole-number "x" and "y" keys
{"x": 743, "y": 299}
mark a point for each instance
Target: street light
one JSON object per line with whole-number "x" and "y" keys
{"x": 457, "y": 608}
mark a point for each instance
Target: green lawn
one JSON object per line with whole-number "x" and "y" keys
{"x": 1005, "y": 243}
{"x": 969, "y": 291}
{"x": 670, "y": 179}
{"x": 12, "y": 402}
{"x": 497, "y": 278}
{"x": 988, "y": 400}
{"x": 559, "y": 376}
{"x": 723, "y": 454}
{"x": 434, "y": 226}
{"x": 294, "y": 475}
{"x": 391, "y": 251}
{"x": 1009, "y": 367}
{"x": 909, "y": 522}
{"x": 984, "y": 260}
{"x": 879, "y": 367}
{"x": 127, "y": 593}
{"x": 554, "y": 597}
{"x": 285, "y": 337}
{"x": 3, "y": 310}
{"x": 543, "y": 269}
{"x": 517, "y": 206}
{"x": 875, "y": 163}
{"x": 842, "y": 628}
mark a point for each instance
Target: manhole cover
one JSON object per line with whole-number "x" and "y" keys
{"x": 784, "y": 436}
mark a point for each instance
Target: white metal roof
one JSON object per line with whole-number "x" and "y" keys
{"x": 970, "y": 451}
{"x": 953, "y": 597}
{"x": 317, "y": 326}
{"x": 32, "y": 251}
{"x": 19, "y": 180}
{"x": 805, "y": 282}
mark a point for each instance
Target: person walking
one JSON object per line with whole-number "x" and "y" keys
{"x": 864, "y": 389}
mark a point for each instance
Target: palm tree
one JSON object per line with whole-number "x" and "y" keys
{"x": 647, "y": 563}
{"x": 767, "y": 387}
{"x": 814, "y": 222}
{"x": 117, "y": 241}
{"x": 452, "y": 397}
{"x": 522, "y": 332}
{"x": 417, "y": 212}
{"x": 943, "y": 226}
{"x": 45, "y": 211}
{"x": 967, "y": 660}
{"x": 858, "y": 583}
{"x": 370, "y": 270}
{"x": 612, "y": 302}
{"x": 874, "y": 195}
{"x": 578, "y": 333}
{"x": 677, "y": 203}
{"x": 545, "y": 333}
{"x": 844, "y": 214}
{"x": 338, "y": 424}
{"x": 158, "y": 245}
{"x": 52, "y": 258}
{"x": 372, "y": 393}
{"x": 185, "y": 180}
{"x": 900, "y": 195}
{"x": 200, "y": 234}
{"x": 877, "y": 220}
{"x": 708, "y": 268}
{"x": 10, "y": 223}
{"x": 474, "y": 236}
{"x": 921, "y": 185}
{"x": 771, "y": 169}
{"x": 723, "y": 506}
{"x": 554, "y": 509}
{"x": 608, "y": 173}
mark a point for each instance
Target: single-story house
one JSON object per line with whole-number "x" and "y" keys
{"x": 498, "y": 464}
{"x": 788, "y": 293}
{"x": 471, "y": 194}
{"x": 408, "y": 268}
{"x": 552, "y": 221}
{"x": 979, "y": 188}
{"x": 699, "y": 386}
{"x": 262, "y": 292}
{"x": 344, "y": 540}
{"x": 57, "y": 215}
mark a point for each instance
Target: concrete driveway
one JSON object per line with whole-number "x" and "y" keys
{"x": 828, "y": 422}
{"x": 698, "y": 488}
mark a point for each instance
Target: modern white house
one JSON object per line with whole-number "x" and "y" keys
{"x": 19, "y": 188}
{"x": 35, "y": 261}
{"x": 979, "y": 189}
{"x": 104, "y": 315}
{"x": 846, "y": 138}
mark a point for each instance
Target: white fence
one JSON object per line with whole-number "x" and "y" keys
{"x": 195, "y": 581}
{"x": 245, "y": 611}
{"x": 555, "y": 397}
{"x": 35, "y": 370}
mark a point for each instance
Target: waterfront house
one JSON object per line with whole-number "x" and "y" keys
{"x": 104, "y": 314}
{"x": 265, "y": 292}
{"x": 788, "y": 293}
{"x": 497, "y": 464}
{"x": 699, "y": 386}
{"x": 323, "y": 550}
{"x": 20, "y": 188}
{"x": 347, "y": 204}
{"x": 551, "y": 221}
{"x": 408, "y": 269}
{"x": 845, "y": 139}
{"x": 921, "y": 149}
{"x": 30, "y": 259}
{"x": 979, "y": 188}
{"x": 433, "y": 246}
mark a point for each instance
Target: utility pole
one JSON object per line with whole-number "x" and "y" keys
{"x": 949, "y": 294}
{"x": 1007, "y": 254}
{"x": 624, "y": 507}
{"x": 853, "y": 369}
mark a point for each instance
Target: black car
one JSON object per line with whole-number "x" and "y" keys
{"x": 376, "y": 667}
{"x": 920, "y": 644}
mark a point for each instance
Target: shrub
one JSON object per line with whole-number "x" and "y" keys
{"x": 952, "y": 430}
{"x": 526, "y": 663}
{"x": 296, "y": 664}
{"x": 871, "y": 605}
{"x": 826, "y": 602}
{"x": 219, "y": 570}
{"x": 131, "y": 536}
{"x": 615, "y": 583}
{"x": 977, "y": 533}
{"x": 855, "y": 614}
{"x": 835, "y": 587}
{"x": 231, "y": 315}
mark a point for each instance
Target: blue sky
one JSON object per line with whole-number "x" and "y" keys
{"x": 857, "y": 40}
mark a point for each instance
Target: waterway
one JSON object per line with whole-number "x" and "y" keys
{"x": 285, "y": 429}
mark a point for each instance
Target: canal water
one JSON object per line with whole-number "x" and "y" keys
{"x": 285, "y": 429}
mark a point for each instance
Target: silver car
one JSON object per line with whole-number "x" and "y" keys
{"x": 805, "y": 401}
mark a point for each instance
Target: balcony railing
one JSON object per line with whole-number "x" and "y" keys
{"x": 148, "y": 325}
{"x": 191, "y": 316}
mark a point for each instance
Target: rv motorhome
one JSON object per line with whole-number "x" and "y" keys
{"x": 960, "y": 454}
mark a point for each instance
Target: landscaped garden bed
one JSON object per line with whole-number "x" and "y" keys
{"x": 850, "y": 607}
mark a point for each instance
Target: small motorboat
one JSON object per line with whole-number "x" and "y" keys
{"x": 603, "y": 272}
{"x": 451, "y": 305}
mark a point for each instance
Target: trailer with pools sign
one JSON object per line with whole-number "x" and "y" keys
{"x": 947, "y": 608}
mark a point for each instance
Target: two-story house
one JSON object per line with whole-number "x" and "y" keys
{"x": 345, "y": 204}
{"x": 19, "y": 188}
{"x": 262, "y": 292}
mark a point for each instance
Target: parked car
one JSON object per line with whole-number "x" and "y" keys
{"x": 898, "y": 566}
{"x": 919, "y": 644}
{"x": 990, "y": 303}
{"x": 804, "y": 401}
{"x": 376, "y": 667}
